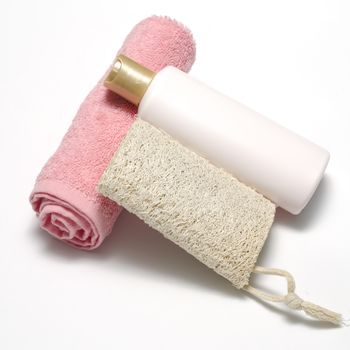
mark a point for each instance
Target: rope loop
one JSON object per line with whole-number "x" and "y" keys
{"x": 291, "y": 299}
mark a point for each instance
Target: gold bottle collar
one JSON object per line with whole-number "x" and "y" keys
{"x": 128, "y": 79}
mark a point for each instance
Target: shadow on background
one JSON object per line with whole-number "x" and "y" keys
{"x": 136, "y": 246}
{"x": 312, "y": 211}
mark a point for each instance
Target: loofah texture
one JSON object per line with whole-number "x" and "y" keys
{"x": 202, "y": 208}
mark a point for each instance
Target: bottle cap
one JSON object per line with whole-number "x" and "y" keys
{"x": 128, "y": 79}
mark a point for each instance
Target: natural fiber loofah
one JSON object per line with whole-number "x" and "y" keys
{"x": 203, "y": 209}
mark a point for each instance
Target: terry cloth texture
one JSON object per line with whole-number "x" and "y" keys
{"x": 65, "y": 195}
{"x": 202, "y": 208}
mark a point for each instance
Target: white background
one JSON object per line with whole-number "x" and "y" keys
{"x": 289, "y": 60}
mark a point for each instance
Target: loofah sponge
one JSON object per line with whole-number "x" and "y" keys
{"x": 203, "y": 209}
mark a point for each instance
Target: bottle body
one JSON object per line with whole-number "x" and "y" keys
{"x": 281, "y": 165}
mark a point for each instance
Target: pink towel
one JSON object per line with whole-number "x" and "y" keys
{"x": 65, "y": 196}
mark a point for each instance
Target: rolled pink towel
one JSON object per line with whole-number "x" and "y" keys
{"x": 65, "y": 195}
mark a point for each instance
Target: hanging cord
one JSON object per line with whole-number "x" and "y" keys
{"x": 293, "y": 300}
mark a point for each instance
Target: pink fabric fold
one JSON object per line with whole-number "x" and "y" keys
{"x": 65, "y": 196}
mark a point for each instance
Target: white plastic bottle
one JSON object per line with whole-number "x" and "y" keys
{"x": 281, "y": 165}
